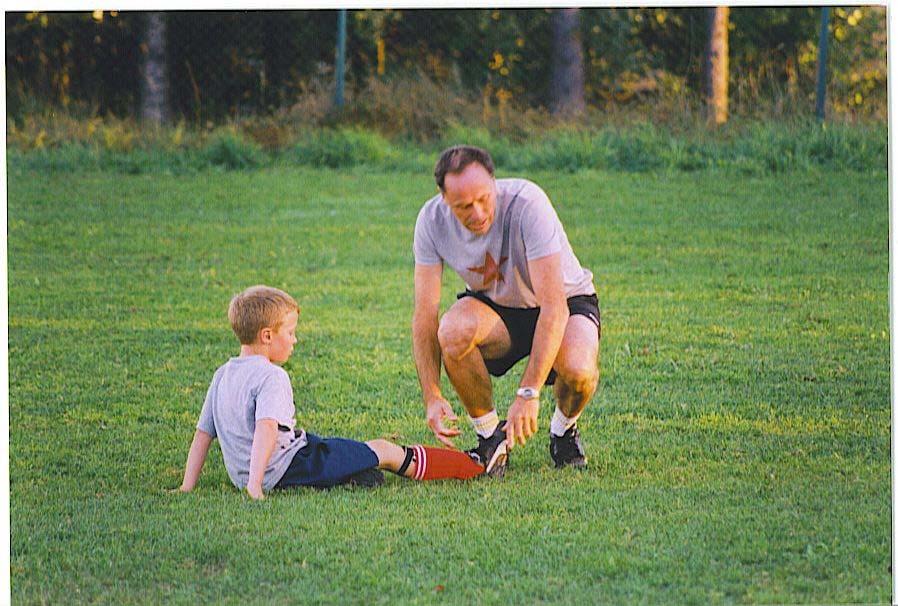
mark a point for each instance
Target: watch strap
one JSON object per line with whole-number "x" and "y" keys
{"x": 528, "y": 393}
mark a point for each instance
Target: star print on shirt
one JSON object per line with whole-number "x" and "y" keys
{"x": 490, "y": 270}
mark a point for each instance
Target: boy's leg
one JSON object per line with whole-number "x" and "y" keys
{"x": 327, "y": 462}
{"x": 391, "y": 456}
{"x": 425, "y": 463}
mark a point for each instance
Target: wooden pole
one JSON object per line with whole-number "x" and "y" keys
{"x": 717, "y": 67}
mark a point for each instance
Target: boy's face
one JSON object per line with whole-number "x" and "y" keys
{"x": 283, "y": 340}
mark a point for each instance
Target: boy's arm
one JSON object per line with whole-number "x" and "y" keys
{"x": 264, "y": 440}
{"x": 199, "y": 448}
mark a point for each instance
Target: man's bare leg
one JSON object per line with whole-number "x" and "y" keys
{"x": 468, "y": 331}
{"x": 577, "y": 366}
{"x": 577, "y": 369}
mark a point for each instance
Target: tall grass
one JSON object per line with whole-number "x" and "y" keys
{"x": 753, "y": 149}
{"x": 401, "y": 123}
{"x": 342, "y": 147}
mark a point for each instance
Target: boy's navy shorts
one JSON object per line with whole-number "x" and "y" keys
{"x": 326, "y": 462}
{"x": 521, "y": 324}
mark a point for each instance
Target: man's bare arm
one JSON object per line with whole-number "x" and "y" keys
{"x": 548, "y": 286}
{"x": 425, "y": 324}
{"x": 426, "y": 349}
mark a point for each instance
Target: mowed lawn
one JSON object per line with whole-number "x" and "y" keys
{"x": 739, "y": 443}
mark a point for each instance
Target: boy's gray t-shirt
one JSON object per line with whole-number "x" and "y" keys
{"x": 525, "y": 227}
{"x": 243, "y": 391}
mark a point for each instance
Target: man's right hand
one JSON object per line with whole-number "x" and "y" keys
{"x": 255, "y": 492}
{"x": 438, "y": 411}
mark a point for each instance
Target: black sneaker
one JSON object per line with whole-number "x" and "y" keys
{"x": 492, "y": 452}
{"x": 567, "y": 449}
{"x": 369, "y": 478}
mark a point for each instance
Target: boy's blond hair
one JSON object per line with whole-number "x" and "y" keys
{"x": 256, "y": 308}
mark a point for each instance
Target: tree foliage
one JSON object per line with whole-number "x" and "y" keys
{"x": 235, "y": 64}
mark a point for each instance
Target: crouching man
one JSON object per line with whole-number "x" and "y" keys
{"x": 526, "y": 295}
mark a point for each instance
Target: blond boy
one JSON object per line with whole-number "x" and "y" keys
{"x": 249, "y": 408}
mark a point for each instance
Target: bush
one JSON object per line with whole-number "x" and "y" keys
{"x": 411, "y": 106}
{"x": 154, "y": 161}
{"x": 66, "y": 158}
{"x": 568, "y": 151}
{"x": 750, "y": 148}
{"x": 855, "y": 147}
{"x": 504, "y": 153}
{"x": 342, "y": 148}
{"x": 230, "y": 151}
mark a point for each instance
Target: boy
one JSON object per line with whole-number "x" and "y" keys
{"x": 249, "y": 408}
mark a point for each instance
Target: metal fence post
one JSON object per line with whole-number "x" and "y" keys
{"x": 341, "y": 57}
{"x": 821, "y": 64}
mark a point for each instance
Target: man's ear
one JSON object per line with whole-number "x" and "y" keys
{"x": 265, "y": 336}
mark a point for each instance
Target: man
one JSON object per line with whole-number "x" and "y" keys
{"x": 526, "y": 295}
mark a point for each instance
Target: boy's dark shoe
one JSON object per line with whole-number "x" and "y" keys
{"x": 369, "y": 478}
{"x": 492, "y": 452}
{"x": 567, "y": 450}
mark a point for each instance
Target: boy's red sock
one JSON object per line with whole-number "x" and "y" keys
{"x": 442, "y": 463}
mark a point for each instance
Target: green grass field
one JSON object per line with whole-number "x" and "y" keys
{"x": 739, "y": 443}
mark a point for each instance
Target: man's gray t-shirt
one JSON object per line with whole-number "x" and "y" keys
{"x": 525, "y": 228}
{"x": 243, "y": 391}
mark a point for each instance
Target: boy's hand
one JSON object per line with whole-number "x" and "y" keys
{"x": 255, "y": 492}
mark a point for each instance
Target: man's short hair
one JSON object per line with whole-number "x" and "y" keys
{"x": 457, "y": 158}
{"x": 256, "y": 308}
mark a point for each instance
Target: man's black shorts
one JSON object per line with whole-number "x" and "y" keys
{"x": 521, "y": 324}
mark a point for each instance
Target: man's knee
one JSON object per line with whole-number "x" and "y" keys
{"x": 579, "y": 375}
{"x": 456, "y": 335}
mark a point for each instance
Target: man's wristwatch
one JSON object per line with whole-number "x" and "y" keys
{"x": 528, "y": 393}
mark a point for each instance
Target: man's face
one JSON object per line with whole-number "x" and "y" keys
{"x": 471, "y": 195}
{"x": 283, "y": 340}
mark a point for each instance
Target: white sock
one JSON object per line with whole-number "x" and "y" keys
{"x": 561, "y": 423}
{"x": 486, "y": 425}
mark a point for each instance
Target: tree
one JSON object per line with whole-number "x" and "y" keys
{"x": 153, "y": 86}
{"x": 568, "y": 96}
{"x": 716, "y": 64}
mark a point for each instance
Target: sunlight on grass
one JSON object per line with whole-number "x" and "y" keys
{"x": 738, "y": 444}
{"x": 727, "y": 423}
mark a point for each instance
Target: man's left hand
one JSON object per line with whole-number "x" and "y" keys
{"x": 522, "y": 421}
